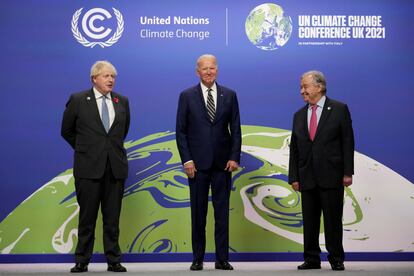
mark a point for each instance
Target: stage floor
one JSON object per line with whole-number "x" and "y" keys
{"x": 241, "y": 269}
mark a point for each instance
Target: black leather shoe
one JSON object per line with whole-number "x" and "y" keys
{"x": 308, "y": 265}
{"x": 116, "y": 267}
{"x": 224, "y": 265}
{"x": 196, "y": 265}
{"x": 337, "y": 266}
{"x": 79, "y": 267}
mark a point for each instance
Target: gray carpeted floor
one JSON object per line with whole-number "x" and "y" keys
{"x": 241, "y": 269}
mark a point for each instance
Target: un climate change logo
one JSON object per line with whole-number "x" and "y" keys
{"x": 267, "y": 28}
{"x": 98, "y": 34}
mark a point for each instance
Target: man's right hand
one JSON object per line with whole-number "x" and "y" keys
{"x": 296, "y": 186}
{"x": 190, "y": 169}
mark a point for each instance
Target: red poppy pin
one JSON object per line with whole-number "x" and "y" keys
{"x": 116, "y": 100}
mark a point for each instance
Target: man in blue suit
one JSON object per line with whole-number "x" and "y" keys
{"x": 209, "y": 141}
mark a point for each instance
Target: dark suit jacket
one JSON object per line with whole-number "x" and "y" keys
{"x": 82, "y": 128}
{"x": 325, "y": 160}
{"x": 203, "y": 141}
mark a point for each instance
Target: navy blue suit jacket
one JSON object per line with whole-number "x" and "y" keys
{"x": 203, "y": 141}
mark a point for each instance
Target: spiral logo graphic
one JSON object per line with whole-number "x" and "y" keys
{"x": 91, "y": 28}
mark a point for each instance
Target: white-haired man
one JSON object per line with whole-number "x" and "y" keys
{"x": 209, "y": 141}
{"x": 321, "y": 164}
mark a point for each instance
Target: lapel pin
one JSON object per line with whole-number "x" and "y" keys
{"x": 116, "y": 100}
{"x": 329, "y": 108}
{"x": 88, "y": 98}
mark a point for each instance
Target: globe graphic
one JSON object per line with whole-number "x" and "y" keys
{"x": 156, "y": 217}
{"x": 267, "y": 28}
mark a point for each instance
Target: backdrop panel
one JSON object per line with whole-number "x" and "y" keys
{"x": 364, "y": 49}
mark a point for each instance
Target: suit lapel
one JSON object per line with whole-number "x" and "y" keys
{"x": 200, "y": 99}
{"x": 304, "y": 118}
{"x": 324, "y": 116}
{"x": 116, "y": 104}
{"x": 93, "y": 107}
{"x": 220, "y": 101}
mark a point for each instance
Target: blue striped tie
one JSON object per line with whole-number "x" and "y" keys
{"x": 105, "y": 114}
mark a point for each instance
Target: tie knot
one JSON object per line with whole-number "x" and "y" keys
{"x": 314, "y": 107}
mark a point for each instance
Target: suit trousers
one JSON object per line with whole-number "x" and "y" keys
{"x": 220, "y": 182}
{"x": 329, "y": 202}
{"x": 106, "y": 192}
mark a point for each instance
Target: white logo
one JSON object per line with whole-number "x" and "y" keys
{"x": 93, "y": 32}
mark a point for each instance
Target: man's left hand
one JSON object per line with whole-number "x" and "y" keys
{"x": 347, "y": 180}
{"x": 231, "y": 166}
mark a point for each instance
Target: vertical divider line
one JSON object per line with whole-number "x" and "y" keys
{"x": 227, "y": 27}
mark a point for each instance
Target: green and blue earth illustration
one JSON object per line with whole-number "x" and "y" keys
{"x": 267, "y": 27}
{"x": 265, "y": 213}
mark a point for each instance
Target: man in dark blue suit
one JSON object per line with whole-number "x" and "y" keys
{"x": 209, "y": 141}
{"x": 321, "y": 164}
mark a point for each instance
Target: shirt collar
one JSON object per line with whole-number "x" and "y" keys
{"x": 320, "y": 103}
{"x": 205, "y": 88}
{"x": 99, "y": 95}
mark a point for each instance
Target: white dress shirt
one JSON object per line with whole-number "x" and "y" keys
{"x": 320, "y": 105}
{"x": 99, "y": 97}
{"x": 213, "y": 93}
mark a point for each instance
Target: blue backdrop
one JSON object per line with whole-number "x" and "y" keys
{"x": 42, "y": 64}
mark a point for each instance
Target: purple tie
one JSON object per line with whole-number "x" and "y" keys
{"x": 313, "y": 122}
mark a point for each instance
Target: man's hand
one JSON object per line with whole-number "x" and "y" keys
{"x": 231, "y": 166}
{"x": 190, "y": 169}
{"x": 296, "y": 186}
{"x": 347, "y": 180}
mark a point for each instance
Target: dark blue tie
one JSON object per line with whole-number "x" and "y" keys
{"x": 211, "y": 109}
